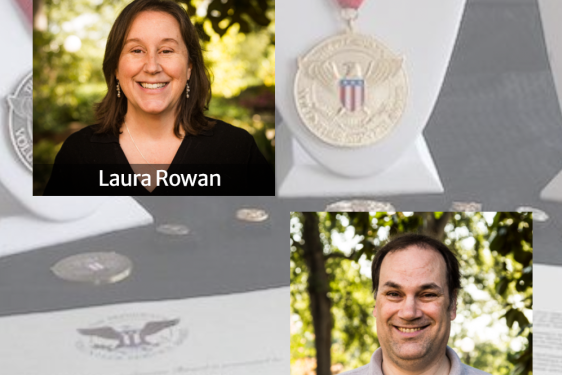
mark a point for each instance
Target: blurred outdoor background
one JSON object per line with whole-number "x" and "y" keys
{"x": 238, "y": 39}
{"x": 331, "y": 256}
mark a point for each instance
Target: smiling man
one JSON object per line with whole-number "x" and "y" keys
{"x": 415, "y": 281}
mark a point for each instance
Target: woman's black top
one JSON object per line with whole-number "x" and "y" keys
{"x": 225, "y": 150}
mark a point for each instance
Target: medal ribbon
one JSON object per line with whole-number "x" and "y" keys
{"x": 350, "y": 12}
{"x": 353, "y": 4}
{"x": 27, "y": 8}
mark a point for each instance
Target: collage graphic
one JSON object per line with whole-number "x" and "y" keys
{"x": 151, "y": 168}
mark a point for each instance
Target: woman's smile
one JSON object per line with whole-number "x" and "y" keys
{"x": 147, "y": 85}
{"x": 153, "y": 88}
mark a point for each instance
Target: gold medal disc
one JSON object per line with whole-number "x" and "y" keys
{"x": 351, "y": 90}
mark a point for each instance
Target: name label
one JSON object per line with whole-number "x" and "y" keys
{"x": 162, "y": 179}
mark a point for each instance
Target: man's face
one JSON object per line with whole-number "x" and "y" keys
{"x": 412, "y": 315}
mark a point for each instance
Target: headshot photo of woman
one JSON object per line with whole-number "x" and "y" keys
{"x": 152, "y": 135}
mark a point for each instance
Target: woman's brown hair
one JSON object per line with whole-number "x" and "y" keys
{"x": 110, "y": 112}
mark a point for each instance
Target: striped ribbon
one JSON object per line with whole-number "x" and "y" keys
{"x": 27, "y": 8}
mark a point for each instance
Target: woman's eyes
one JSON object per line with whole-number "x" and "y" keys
{"x": 138, "y": 51}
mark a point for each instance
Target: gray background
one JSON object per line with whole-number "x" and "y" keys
{"x": 496, "y": 131}
{"x": 495, "y": 134}
{"x": 221, "y": 255}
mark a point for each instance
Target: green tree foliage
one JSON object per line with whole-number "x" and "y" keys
{"x": 223, "y": 14}
{"x": 493, "y": 329}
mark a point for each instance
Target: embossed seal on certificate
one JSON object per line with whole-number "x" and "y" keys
{"x": 351, "y": 90}
{"x": 21, "y": 120}
{"x": 131, "y": 336}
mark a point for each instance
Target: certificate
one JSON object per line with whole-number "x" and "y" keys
{"x": 547, "y": 330}
{"x": 246, "y": 333}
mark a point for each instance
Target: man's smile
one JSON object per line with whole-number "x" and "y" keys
{"x": 411, "y": 331}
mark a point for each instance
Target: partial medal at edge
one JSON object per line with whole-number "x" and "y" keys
{"x": 351, "y": 90}
{"x": 20, "y": 120}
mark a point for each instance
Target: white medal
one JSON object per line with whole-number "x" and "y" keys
{"x": 95, "y": 268}
{"x": 21, "y": 121}
{"x": 350, "y": 90}
{"x": 252, "y": 215}
{"x": 28, "y": 222}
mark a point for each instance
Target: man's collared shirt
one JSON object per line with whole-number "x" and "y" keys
{"x": 375, "y": 366}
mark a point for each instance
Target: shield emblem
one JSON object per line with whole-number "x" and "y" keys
{"x": 352, "y": 93}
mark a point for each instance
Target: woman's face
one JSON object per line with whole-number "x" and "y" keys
{"x": 154, "y": 65}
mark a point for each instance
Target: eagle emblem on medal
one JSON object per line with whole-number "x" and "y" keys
{"x": 351, "y": 90}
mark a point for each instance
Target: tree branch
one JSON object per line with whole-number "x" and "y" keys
{"x": 435, "y": 227}
{"x": 318, "y": 288}
{"x": 440, "y": 224}
{"x": 341, "y": 255}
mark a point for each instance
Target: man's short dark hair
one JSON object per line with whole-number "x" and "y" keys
{"x": 424, "y": 242}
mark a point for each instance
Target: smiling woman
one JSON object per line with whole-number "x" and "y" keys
{"x": 153, "y": 116}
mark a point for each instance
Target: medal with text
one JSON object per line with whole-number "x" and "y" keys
{"x": 21, "y": 106}
{"x": 351, "y": 90}
{"x": 21, "y": 120}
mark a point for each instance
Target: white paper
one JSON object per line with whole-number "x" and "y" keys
{"x": 235, "y": 334}
{"x": 547, "y": 316}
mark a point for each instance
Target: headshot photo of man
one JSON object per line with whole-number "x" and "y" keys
{"x": 411, "y": 293}
{"x": 416, "y": 280}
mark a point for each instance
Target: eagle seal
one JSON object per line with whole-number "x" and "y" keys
{"x": 351, "y": 90}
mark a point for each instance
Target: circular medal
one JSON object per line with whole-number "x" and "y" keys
{"x": 359, "y": 205}
{"x": 466, "y": 207}
{"x": 351, "y": 90}
{"x": 96, "y": 268}
{"x": 173, "y": 229}
{"x": 538, "y": 215}
{"x": 21, "y": 120}
{"x": 253, "y": 215}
